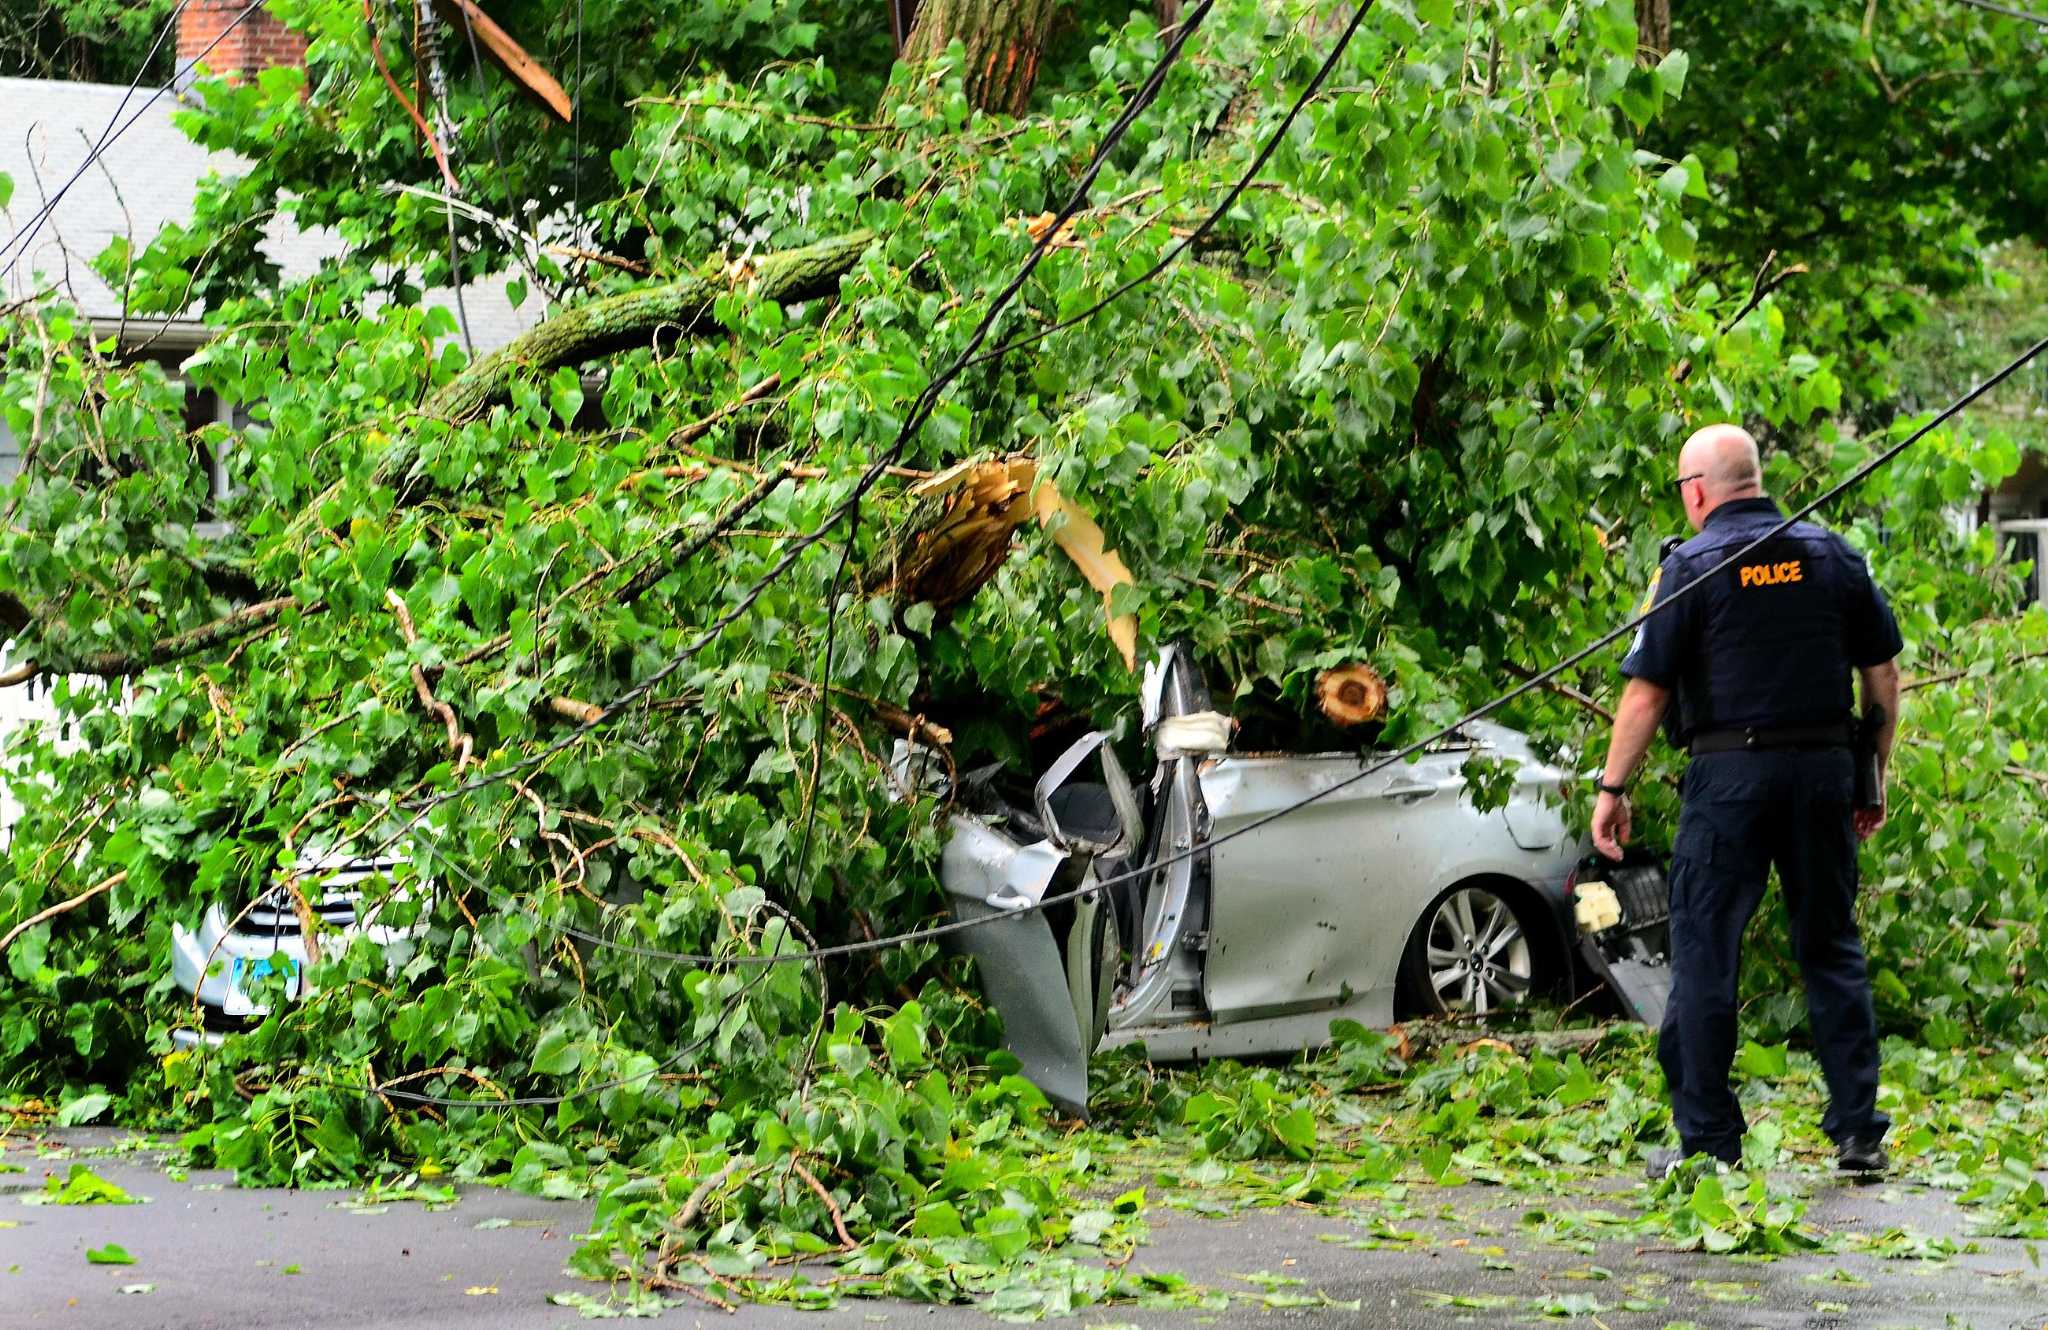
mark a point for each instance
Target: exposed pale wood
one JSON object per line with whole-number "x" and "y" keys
{"x": 508, "y": 55}
{"x": 1076, "y": 533}
{"x": 957, "y": 542}
{"x": 1352, "y": 694}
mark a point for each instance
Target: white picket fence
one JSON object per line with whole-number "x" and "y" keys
{"x": 24, "y": 709}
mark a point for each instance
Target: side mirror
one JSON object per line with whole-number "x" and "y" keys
{"x": 1122, "y": 801}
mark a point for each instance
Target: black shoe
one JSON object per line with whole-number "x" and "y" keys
{"x": 1861, "y": 1154}
{"x": 1664, "y": 1161}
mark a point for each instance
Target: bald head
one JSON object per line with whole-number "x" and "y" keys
{"x": 1726, "y": 457}
{"x": 1723, "y": 460}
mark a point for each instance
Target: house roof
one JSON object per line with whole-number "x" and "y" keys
{"x": 145, "y": 180}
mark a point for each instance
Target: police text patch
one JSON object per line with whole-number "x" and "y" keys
{"x": 1771, "y": 574}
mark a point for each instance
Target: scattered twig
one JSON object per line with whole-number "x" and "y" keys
{"x": 571, "y": 709}
{"x": 1563, "y": 690}
{"x": 595, "y": 256}
{"x": 458, "y": 742}
{"x": 1247, "y": 597}
{"x": 1953, "y": 676}
{"x": 1760, "y": 289}
{"x": 846, "y": 1242}
{"x": 695, "y": 1204}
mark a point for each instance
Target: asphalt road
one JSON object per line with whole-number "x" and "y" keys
{"x": 217, "y": 1256}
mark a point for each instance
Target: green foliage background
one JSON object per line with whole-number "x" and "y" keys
{"x": 1417, "y": 404}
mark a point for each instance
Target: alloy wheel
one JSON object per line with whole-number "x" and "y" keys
{"x": 1477, "y": 956}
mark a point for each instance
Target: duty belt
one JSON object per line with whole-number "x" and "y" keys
{"x": 1839, "y": 734}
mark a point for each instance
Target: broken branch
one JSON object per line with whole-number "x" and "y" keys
{"x": 458, "y": 742}
{"x": 63, "y": 907}
{"x": 116, "y": 664}
{"x": 632, "y": 318}
{"x": 846, "y": 1241}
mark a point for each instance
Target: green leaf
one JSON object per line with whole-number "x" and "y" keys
{"x": 1763, "y": 1062}
{"x": 1671, "y": 71}
{"x": 111, "y": 1254}
{"x": 83, "y": 1109}
{"x": 903, "y": 1036}
{"x": 565, "y": 396}
{"x": 82, "y": 1186}
{"x": 557, "y": 1054}
{"x": 1677, "y": 238}
{"x": 1297, "y": 1131}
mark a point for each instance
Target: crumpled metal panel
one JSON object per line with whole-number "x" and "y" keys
{"x": 1018, "y": 961}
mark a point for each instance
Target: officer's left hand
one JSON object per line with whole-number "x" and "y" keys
{"x": 1611, "y": 824}
{"x": 1868, "y": 820}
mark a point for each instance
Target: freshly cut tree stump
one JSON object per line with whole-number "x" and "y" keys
{"x": 1352, "y": 694}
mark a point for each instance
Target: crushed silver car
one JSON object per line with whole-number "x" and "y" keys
{"x": 1391, "y": 896}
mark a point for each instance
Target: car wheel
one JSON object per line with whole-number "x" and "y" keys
{"x": 1470, "y": 952}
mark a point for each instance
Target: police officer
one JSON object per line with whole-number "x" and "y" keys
{"x": 1759, "y": 661}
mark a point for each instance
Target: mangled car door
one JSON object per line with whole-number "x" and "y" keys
{"x": 1050, "y": 967}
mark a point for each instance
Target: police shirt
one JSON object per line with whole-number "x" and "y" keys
{"x": 1770, "y": 641}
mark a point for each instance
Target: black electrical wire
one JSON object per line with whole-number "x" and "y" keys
{"x": 921, "y": 411}
{"x": 163, "y": 33}
{"x": 1208, "y": 223}
{"x": 2022, "y": 14}
{"x": 1117, "y": 880}
{"x": 576, "y": 115}
{"x": 824, "y": 712}
{"x": 110, "y": 135}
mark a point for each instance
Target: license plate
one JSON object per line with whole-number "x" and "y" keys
{"x": 244, "y": 973}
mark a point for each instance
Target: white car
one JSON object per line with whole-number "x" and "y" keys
{"x": 224, "y": 959}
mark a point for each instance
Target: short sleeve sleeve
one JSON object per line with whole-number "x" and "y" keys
{"x": 1870, "y": 631}
{"x": 1665, "y": 640}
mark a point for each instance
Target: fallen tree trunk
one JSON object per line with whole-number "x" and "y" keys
{"x": 632, "y": 318}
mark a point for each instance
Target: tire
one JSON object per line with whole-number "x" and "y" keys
{"x": 1472, "y": 950}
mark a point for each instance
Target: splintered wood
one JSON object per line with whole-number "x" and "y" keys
{"x": 952, "y": 552}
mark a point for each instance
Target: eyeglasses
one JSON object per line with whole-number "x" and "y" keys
{"x": 1697, "y": 475}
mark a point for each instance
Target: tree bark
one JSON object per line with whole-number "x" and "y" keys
{"x": 1003, "y": 40}
{"x": 1653, "y": 30}
{"x": 632, "y": 318}
{"x": 230, "y": 627}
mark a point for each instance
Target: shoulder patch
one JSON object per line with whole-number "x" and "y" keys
{"x": 1656, "y": 580}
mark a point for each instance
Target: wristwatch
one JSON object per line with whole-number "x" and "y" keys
{"x": 1620, "y": 791}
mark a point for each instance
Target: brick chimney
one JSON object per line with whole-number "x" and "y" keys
{"x": 257, "y": 42}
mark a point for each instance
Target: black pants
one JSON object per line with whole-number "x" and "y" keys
{"x": 1743, "y": 813}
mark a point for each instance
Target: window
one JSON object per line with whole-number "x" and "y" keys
{"x": 2025, "y": 540}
